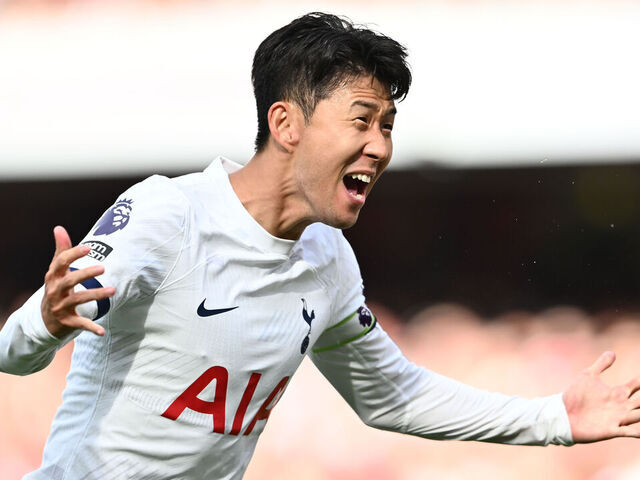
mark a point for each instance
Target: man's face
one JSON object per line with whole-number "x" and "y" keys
{"x": 344, "y": 149}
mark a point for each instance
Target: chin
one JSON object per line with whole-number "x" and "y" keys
{"x": 345, "y": 222}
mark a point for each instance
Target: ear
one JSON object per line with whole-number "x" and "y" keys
{"x": 283, "y": 118}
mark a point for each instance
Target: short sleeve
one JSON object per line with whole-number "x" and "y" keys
{"x": 138, "y": 240}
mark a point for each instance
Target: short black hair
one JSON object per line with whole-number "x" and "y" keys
{"x": 308, "y": 59}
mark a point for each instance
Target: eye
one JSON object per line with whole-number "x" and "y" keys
{"x": 386, "y": 129}
{"x": 362, "y": 123}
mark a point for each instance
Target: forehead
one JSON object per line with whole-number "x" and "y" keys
{"x": 360, "y": 91}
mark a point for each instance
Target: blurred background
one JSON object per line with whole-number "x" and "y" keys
{"x": 502, "y": 247}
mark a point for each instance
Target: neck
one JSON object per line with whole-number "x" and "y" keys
{"x": 266, "y": 187}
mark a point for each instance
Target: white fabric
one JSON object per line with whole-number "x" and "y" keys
{"x": 389, "y": 392}
{"x": 188, "y": 243}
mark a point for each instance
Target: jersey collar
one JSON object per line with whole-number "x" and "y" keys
{"x": 220, "y": 169}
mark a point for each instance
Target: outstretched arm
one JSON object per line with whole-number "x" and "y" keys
{"x": 598, "y": 411}
{"x": 391, "y": 393}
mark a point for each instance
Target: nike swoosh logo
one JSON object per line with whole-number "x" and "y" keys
{"x": 204, "y": 312}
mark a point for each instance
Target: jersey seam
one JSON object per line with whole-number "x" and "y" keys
{"x": 185, "y": 226}
{"x": 162, "y": 283}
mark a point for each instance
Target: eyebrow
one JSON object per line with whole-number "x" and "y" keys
{"x": 373, "y": 106}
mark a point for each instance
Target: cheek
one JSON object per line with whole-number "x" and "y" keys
{"x": 346, "y": 141}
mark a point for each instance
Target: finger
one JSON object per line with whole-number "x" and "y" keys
{"x": 632, "y": 430}
{"x": 72, "y": 279}
{"x": 631, "y": 418}
{"x": 85, "y": 296}
{"x": 60, "y": 264}
{"x": 633, "y": 385}
{"x": 634, "y": 401}
{"x": 603, "y": 362}
{"x": 82, "y": 323}
{"x": 62, "y": 240}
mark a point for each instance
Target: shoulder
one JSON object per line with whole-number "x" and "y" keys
{"x": 157, "y": 190}
{"x": 154, "y": 204}
{"x": 325, "y": 246}
{"x": 205, "y": 191}
{"x": 160, "y": 195}
{"x": 173, "y": 196}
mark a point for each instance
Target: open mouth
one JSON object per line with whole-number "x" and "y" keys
{"x": 356, "y": 184}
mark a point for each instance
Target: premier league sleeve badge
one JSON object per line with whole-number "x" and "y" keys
{"x": 116, "y": 218}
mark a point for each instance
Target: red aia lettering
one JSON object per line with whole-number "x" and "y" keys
{"x": 189, "y": 399}
{"x": 244, "y": 403}
{"x": 265, "y": 409}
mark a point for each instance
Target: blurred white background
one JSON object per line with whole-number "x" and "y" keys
{"x": 116, "y": 87}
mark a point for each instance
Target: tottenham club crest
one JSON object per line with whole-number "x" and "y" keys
{"x": 116, "y": 218}
{"x": 308, "y": 318}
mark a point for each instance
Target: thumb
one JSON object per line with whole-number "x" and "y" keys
{"x": 603, "y": 362}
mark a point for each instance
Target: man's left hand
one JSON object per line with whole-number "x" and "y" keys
{"x": 598, "y": 411}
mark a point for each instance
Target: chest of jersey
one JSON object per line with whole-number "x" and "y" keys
{"x": 233, "y": 329}
{"x": 249, "y": 314}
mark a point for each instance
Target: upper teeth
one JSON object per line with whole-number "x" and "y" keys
{"x": 361, "y": 176}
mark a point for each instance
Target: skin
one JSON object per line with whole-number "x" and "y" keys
{"x": 296, "y": 180}
{"x": 598, "y": 411}
{"x": 349, "y": 132}
{"x": 59, "y": 302}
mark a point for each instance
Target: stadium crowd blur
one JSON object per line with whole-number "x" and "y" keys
{"x": 508, "y": 279}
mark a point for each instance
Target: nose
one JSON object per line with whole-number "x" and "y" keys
{"x": 378, "y": 146}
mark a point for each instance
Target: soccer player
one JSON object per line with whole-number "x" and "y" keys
{"x": 193, "y": 300}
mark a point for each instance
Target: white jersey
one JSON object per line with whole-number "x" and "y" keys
{"x": 212, "y": 316}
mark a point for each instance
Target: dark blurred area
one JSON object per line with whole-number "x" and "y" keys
{"x": 502, "y": 239}
{"x": 493, "y": 240}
